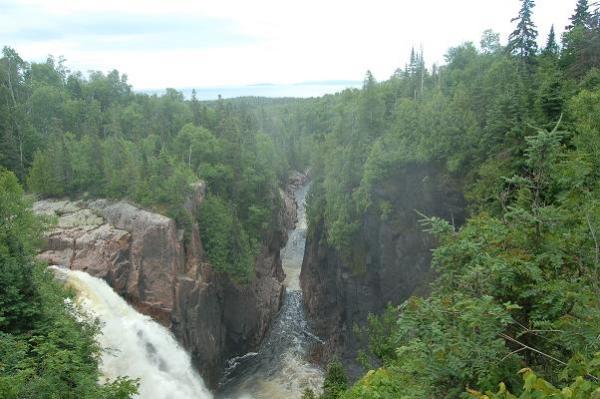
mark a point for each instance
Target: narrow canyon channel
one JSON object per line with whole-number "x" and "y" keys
{"x": 138, "y": 347}
{"x": 280, "y": 369}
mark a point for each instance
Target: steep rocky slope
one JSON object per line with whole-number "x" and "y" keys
{"x": 163, "y": 272}
{"x": 339, "y": 293}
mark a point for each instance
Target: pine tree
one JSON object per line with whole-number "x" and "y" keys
{"x": 371, "y": 107}
{"x": 421, "y": 73}
{"x": 581, "y": 16}
{"x": 595, "y": 17}
{"x": 490, "y": 41}
{"x": 522, "y": 42}
{"x": 581, "y": 50}
{"x": 412, "y": 65}
{"x": 335, "y": 382}
{"x": 195, "y": 107}
{"x": 551, "y": 48}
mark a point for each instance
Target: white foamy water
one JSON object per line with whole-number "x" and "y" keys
{"x": 293, "y": 253}
{"x": 280, "y": 369}
{"x": 137, "y": 346}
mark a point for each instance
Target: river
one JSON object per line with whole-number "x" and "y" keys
{"x": 138, "y": 347}
{"x": 280, "y": 369}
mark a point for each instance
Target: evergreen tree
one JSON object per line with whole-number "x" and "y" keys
{"x": 550, "y": 99}
{"x": 335, "y": 382}
{"x": 581, "y": 16}
{"x": 522, "y": 41}
{"x": 490, "y": 41}
{"x": 20, "y": 230}
{"x": 371, "y": 107}
{"x": 412, "y": 65}
{"x": 551, "y": 48}
{"x": 595, "y": 17}
{"x": 581, "y": 42}
{"x": 195, "y": 107}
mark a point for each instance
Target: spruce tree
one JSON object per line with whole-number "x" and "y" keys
{"x": 412, "y": 65}
{"x": 551, "y": 45}
{"x": 195, "y": 107}
{"x": 595, "y": 18}
{"x": 581, "y": 16}
{"x": 522, "y": 41}
{"x": 336, "y": 381}
{"x": 490, "y": 41}
{"x": 581, "y": 50}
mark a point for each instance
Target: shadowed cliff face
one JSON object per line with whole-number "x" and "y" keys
{"x": 394, "y": 263}
{"x": 146, "y": 260}
{"x": 280, "y": 369}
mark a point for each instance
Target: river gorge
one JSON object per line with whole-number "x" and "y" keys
{"x": 280, "y": 368}
{"x": 271, "y": 337}
{"x": 248, "y": 341}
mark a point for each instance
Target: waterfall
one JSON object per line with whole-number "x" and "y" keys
{"x": 135, "y": 345}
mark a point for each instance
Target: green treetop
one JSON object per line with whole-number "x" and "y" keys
{"x": 581, "y": 15}
{"x": 522, "y": 42}
{"x": 551, "y": 48}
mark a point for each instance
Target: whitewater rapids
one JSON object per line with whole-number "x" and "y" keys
{"x": 135, "y": 345}
{"x": 280, "y": 369}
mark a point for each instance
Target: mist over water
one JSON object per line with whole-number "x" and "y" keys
{"x": 137, "y": 346}
{"x": 280, "y": 369}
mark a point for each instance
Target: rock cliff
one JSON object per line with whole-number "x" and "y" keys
{"x": 394, "y": 263}
{"x": 163, "y": 272}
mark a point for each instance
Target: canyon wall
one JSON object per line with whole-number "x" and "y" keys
{"x": 163, "y": 272}
{"x": 394, "y": 263}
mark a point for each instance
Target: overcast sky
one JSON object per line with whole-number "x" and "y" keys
{"x": 207, "y": 43}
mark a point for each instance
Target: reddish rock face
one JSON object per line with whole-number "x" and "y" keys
{"x": 135, "y": 251}
{"x": 155, "y": 256}
{"x": 145, "y": 259}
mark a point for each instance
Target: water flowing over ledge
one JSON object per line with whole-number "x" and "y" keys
{"x": 135, "y": 345}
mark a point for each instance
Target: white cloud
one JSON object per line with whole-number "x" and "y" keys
{"x": 291, "y": 40}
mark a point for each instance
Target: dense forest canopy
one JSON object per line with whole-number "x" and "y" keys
{"x": 515, "y": 127}
{"x": 63, "y": 135}
{"x": 66, "y": 135}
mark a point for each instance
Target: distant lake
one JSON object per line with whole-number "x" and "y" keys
{"x": 309, "y": 89}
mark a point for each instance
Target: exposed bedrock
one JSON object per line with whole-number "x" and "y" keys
{"x": 164, "y": 273}
{"x": 393, "y": 261}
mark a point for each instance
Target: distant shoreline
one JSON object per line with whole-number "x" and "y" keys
{"x": 300, "y": 90}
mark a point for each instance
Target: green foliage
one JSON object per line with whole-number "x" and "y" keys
{"x": 512, "y": 291}
{"x": 94, "y": 137}
{"x": 19, "y": 233}
{"x": 308, "y": 394}
{"x": 535, "y": 387}
{"x": 228, "y": 246}
{"x": 581, "y": 16}
{"x": 522, "y": 41}
{"x": 336, "y": 381}
{"x": 47, "y": 346}
{"x": 517, "y": 284}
